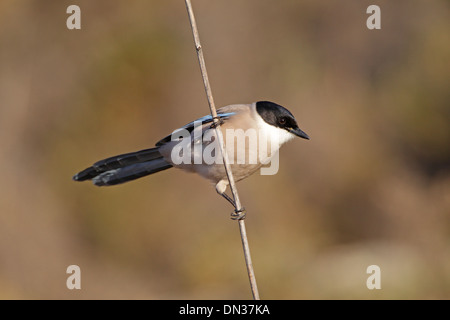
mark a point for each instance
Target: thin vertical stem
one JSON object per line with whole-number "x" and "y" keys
{"x": 212, "y": 107}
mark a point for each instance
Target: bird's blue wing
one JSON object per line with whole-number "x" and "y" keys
{"x": 191, "y": 125}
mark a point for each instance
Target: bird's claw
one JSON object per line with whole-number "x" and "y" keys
{"x": 238, "y": 214}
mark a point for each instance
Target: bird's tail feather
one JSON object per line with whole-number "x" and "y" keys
{"x": 131, "y": 172}
{"x": 124, "y": 167}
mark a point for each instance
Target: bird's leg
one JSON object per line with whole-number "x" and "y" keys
{"x": 237, "y": 214}
{"x": 228, "y": 198}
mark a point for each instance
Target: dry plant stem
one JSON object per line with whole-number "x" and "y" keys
{"x": 233, "y": 188}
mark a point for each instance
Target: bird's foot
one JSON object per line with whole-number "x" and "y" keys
{"x": 239, "y": 214}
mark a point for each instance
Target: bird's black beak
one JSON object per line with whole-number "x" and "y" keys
{"x": 298, "y": 132}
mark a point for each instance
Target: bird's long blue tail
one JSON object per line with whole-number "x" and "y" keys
{"x": 124, "y": 168}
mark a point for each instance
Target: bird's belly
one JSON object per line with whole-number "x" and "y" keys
{"x": 205, "y": 158}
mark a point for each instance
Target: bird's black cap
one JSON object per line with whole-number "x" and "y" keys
{"x": 280, "y": 117}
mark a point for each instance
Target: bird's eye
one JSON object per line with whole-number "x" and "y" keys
{"x": 282, "y": 121}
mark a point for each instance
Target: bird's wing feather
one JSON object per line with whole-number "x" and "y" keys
{"x": 191, "y": 125}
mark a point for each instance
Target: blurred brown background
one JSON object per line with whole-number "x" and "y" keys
{"x": 372, "y": 186}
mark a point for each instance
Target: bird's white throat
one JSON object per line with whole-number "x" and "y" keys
{"x": 276, "y": 136}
